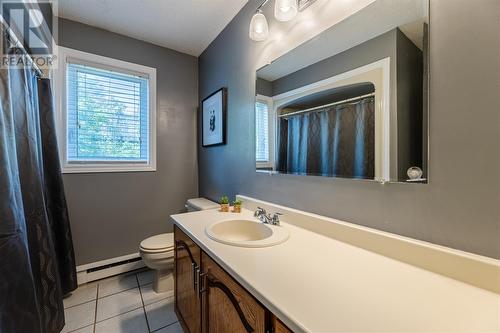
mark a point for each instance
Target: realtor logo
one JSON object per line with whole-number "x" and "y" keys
{"x": 33, "y": 25}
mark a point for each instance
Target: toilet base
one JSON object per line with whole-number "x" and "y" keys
{"x": 163, "y": 280}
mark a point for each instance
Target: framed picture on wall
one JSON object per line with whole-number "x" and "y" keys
{"x": 214, "y": 109}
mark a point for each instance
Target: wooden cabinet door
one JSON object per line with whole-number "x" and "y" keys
{"x": 279, "y": 327}
{"x": 227, "y": 307}
{"x": 187, "y": 263}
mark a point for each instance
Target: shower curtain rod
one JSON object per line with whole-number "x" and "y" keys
{"x": 15, "y": 40}
{"x": 326, "y": 105}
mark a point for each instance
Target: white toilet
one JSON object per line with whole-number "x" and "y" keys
{"x": 157, "y": 252}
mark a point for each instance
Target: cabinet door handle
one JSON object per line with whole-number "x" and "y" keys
{"x": 214, "y": 283}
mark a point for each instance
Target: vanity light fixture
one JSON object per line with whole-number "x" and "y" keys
{"x": 284, "y": 10}
{"x": 259, "y": 30}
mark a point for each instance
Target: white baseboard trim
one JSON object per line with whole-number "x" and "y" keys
{"x": 90, "y": 272}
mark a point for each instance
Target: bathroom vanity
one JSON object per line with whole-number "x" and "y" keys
{"x": 328, "y": 276}
{"x": 208, "y": 299}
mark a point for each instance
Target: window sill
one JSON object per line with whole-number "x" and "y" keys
{"x": 263, "y": 165}
{"x": 69, "y": 169}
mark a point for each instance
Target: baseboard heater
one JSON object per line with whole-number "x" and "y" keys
{"x": 109, "y": 267}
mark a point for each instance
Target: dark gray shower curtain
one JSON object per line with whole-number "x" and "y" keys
{"x": 335, "y": 141}
{"x": 37, "y": 264}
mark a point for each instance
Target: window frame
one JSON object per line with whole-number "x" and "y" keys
{"x": 60, "y": 89}
{"x": 271, "y": 130}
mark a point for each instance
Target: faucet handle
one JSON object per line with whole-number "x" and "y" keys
{"x": 276, "y": 218}
{"x": 260, "y": 211}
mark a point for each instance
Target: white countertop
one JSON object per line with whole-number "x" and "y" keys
{"x": 314, "y": 283}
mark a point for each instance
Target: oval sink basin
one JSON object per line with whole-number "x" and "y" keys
{"x": 246, "y": 233}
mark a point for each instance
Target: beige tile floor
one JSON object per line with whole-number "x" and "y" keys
{"x": 121, "y": 304}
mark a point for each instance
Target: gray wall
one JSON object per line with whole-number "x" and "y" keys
{"x": 375, "y": 49}
{"x": 458, "y": 208}
{"x": 112, "y": 212}
{"x": 263, "y": 87}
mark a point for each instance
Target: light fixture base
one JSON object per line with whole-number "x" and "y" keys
{"x": 303, "y": 4}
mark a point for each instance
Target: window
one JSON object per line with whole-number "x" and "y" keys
{"x": 107, "y": 114}
{"x": 261, "y": 132}
{"x": 264, "y": 133}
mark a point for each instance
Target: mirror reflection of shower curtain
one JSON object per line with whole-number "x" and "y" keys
{"x": 337, "y": 141}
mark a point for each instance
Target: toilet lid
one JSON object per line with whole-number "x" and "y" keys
{"x": 159, "y": 242}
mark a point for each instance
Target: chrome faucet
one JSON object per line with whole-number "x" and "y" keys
{"x": 262, "y": 215}
{"x": 259, "y": 212}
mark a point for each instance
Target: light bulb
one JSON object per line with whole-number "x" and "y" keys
{"x": 285, "y": 10}
{"x": 259, "y": 30}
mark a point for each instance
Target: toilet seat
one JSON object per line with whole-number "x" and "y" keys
{"x": 158, "y": 243}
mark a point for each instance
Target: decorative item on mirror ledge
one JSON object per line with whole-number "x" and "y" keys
{"x": 415, "y": 175}
{"x": 355, "y": 108}
{"x": 224, "y": 204}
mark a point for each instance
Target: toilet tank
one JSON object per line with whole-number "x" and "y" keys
{"x": 196, "y": 204}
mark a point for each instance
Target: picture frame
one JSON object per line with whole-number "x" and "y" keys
{"x": 213, "y": 118}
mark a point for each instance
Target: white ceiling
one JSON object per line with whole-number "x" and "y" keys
{"x": 187, "y": 26}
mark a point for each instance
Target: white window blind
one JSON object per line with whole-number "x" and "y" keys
{"x": 107, "y": 116}
{"x": 262, "y": 131}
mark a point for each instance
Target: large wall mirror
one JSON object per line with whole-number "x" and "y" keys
{"x": 353, "y": 101}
